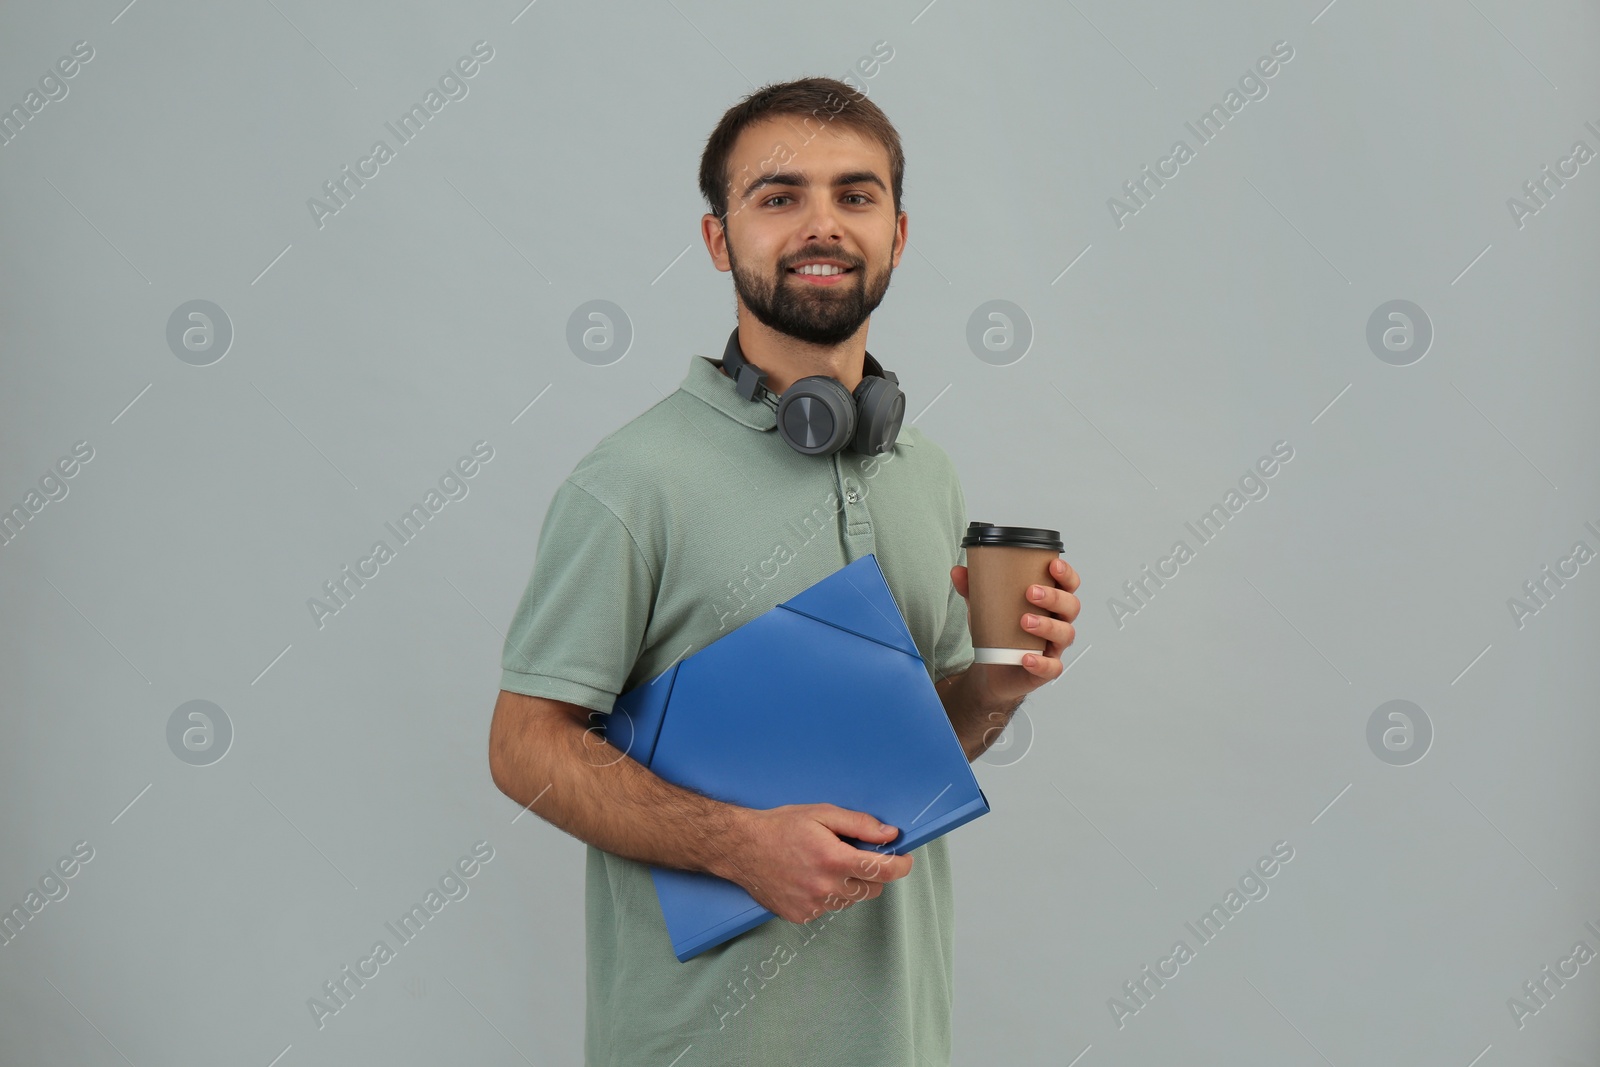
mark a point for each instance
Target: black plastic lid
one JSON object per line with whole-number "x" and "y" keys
{"x": 987, "y": 534}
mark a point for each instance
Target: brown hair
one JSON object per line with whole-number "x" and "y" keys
{"x": 834, "y": 100}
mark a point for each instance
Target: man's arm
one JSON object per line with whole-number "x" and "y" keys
{"x": 978, "y": 718}
{"x": 542, "y": 752}
{"x": 790, "y": 858}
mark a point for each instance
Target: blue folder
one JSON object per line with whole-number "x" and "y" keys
{"x": 822, "y": 699}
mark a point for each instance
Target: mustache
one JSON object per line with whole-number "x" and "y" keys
{"x": 850, "y": 261}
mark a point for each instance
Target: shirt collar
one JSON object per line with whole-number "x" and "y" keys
{"x": 706, "y": 381}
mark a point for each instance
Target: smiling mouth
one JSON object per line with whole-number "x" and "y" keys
{"x": 822, "y": 279}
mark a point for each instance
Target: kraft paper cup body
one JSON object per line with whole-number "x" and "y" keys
{"x": 998, "y": 577}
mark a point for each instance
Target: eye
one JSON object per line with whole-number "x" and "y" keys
{"x": 863, "y": 197}
{"x": 770, "y": 199}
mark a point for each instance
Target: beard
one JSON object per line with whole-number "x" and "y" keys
{"x": 818, "y": 315}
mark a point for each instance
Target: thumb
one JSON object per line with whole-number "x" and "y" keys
{"x": 856, "y": 824}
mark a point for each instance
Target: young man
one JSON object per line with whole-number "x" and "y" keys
{"x": 692, "y": 519}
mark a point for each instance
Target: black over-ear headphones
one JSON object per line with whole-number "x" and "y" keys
{"x": 817, "y": 415}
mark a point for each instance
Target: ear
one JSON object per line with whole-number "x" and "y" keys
{"x": 714, "y": 231}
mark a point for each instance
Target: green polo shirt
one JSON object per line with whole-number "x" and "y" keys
{"x": 685, "y": 523}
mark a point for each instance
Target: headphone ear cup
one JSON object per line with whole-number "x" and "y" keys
{"x": 880, "y": 408}
{"x": 817, "y": 416}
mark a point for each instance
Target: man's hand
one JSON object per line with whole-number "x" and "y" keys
{"x": 790, "y": 859}
{"x": 1006, "y": 683}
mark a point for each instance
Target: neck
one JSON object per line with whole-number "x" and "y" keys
{"x": 787, "y": 360}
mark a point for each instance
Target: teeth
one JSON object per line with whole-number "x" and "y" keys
{"x": 819, "y": 268}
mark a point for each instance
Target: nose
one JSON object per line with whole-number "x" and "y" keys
{"x": 822, "y": 221}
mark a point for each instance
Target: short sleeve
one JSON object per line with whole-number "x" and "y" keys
{"x": 953, "y": 652}
{"x": 580, "y": 625}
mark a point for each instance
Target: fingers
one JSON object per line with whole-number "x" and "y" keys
{"x": 877, "y": 867}
{"x": 958, "y": 578}
{"x": 1058, "y": 632}
{"x": 1048, "y": 666}
{"x": 862, "y": 879}
{"x": 1055, "y": 599}
{"x": 858, "y": 889}
{"x": 856, "y": 824}
{"x": 854, "y": 892}
{"x": 840, "y": 873}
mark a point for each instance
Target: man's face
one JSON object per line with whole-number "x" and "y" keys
{"x": 795, "y": 201}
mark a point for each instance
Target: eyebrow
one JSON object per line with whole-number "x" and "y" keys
{"x": 796, "y": 178}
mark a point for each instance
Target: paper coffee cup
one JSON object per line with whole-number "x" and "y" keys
{"x": 1002, "y": 562}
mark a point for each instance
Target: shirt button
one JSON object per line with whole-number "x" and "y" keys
{"x": 852, "y": 496}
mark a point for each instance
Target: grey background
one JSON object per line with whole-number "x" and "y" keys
{"x": 1228, "y": 314}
